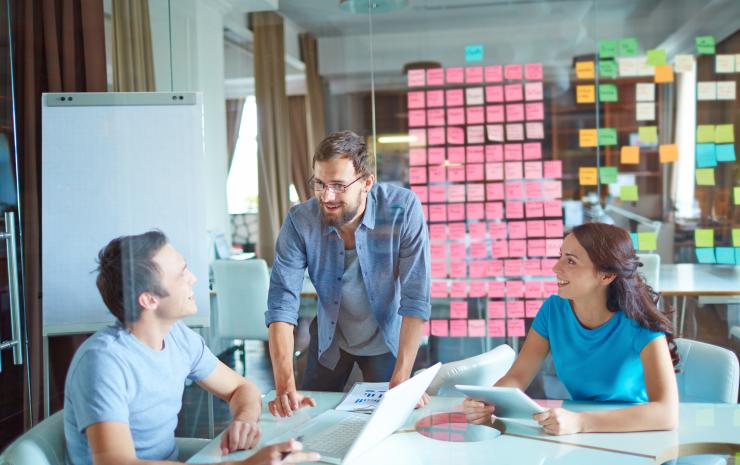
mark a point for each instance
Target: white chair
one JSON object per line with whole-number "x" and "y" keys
{"x": 708, "y": 373}
{"x": 482, "y": 370}
{"x": 241, "y": 292}
{"x": 650, "y": 269}
{"x": 44, "y": 444}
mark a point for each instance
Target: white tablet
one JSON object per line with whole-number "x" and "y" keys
{"x": 510, "y": 402}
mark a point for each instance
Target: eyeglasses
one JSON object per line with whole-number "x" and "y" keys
{"x": 335, "y": 187}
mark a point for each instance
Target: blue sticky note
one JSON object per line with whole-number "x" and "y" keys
{"x": 725, "y": 255}
{"x": 706, "y": 156}
{"x": 705, "y": 255}
{"x": 725, "y": 152}
{"x": 473, "y": 53}
{"x": 634, "y": 241}
{"x": 737, "y": 255}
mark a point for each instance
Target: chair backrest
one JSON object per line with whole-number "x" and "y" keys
{"x": 241, "y": 291}
{"x": 43, "y": 444}
{"x": 708, "y": 373}
{"x": 482, "y": 370}
{"x": 650, "y": 269}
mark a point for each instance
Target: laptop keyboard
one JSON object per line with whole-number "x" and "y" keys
{"x": 336, "y": 441}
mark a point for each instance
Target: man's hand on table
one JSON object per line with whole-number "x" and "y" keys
{"x": 396, "y": 380}
{"x": 240, "y": 435}
{"x": 287, "y": 402}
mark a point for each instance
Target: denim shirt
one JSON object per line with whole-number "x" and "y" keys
{"x": 392, "y": 245}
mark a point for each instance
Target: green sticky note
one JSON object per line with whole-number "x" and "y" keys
{"x": 607, "y": 136}
{"x": 607, "y": 48}
{"x": 704, "y": 237}
{"x": 705, "y": 45}
{"x": 705, "y": 255}
{"x": 705, "y": 177}
{"x": 726, "y": 152}
{"x": 647, "y": 240}
{"x": 706, "y": 156}
{"x": 704, "y": 133}
{"x": 608, "y": 69}
{"x": 736, "y": 191}
{"x": 608, "y": 93}
{"x": 656, "y": 57}
{"x": 628, "y": 193}
{"x": 628, "y": 47}
{"x": 648, "y": 134}
{"x": 608, "y": 174}
{"x": 725, "y": 255}
{"x": 473, "y": 53}
{"x": 736, "y": 237}
{"x": 724, "y": 133}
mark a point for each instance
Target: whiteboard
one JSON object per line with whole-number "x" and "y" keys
{"x": 117, "y": 164}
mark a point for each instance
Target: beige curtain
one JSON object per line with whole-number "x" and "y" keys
{"x": 300, "y": 150}
{"x": 315, "y": 113}
{"x": 234, "y": 108}
{"x": 133, "y": 63}
{"x": 273, "y": 129}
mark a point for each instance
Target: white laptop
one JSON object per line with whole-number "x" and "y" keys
{"x": 340, "y": 436}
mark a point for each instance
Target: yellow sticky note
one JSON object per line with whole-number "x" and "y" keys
{"x": 648, "y": 134}
{"x": 588, "y": 137}
{"x": 663, "y": 74}
{"x": 588, "y": 176}
{"x": 629, "y": 193}
{"x": 736, "y": 191}
{"x": 630, "y": 155}
{"x": 585, "y": 94}
{"x": 668, "y": 153}
{"x": 704, "y": 237}
{"x": 585, "y": 69}
{"x": 647, "y": 240}
{"x": 736, "y": 237}
{"x": 705, "y": 177}
{"x": 705, "y": 133}
{"x": 724, "y": 133}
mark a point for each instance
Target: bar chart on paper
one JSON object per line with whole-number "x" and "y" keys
{"x": 364, "y": 397}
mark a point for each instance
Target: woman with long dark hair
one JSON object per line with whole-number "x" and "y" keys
{"x": 609, "y": 340}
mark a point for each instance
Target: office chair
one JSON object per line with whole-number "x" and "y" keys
{"x": 708, "y": 373}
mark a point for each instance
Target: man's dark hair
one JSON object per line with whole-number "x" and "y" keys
{"x": 346, "y": 144}
{"x": 126, "y": 270}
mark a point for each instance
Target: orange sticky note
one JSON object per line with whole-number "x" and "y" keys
{"x": 668, "y": 153}
{"x": 630, "y": 155}
{"x": 663, "y": 74}
{"x": 588, "y": 137}
{"x": 588, "y": 176}
{"x": 585, "y": 94}
{"x": 585, "y": 69}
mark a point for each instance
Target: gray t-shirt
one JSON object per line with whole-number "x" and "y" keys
{"x": 358, "y": 332}
{"x": 115, "y": 377}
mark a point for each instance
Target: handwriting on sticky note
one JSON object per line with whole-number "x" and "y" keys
{"x": 585, "y": 93}
{"x": 607, "y": 136}
{"x": 587, "y": 137}
{"x": 628, "y": 47}
{"x": 416, "y": 77}
{"x": 645, "y": 92}
{"x": 608, "y": 69}
{"x": 705, "y": 45}
{"x": 608, "y": 93}
{"x": 607, "y": 48}
{"x": 515, "y": 328}
{"x": 585, "y": 69}
{"x": 608, "y": 174}
{"x": 513, "y": 72}
{"x": 476, "y": 328}
{"x": 587, "y": 176}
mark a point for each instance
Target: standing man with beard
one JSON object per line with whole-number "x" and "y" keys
{"x": 366, "y": 248}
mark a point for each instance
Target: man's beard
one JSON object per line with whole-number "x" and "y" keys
{"x": 345, "y": 217}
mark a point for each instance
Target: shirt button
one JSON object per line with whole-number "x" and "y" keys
{"x": 332, "y": 322}
{"x": 339, "y": 278}
{"x": 336, "y": 302}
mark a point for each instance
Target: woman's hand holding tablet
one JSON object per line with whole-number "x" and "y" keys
{"x": 507, "y": 402}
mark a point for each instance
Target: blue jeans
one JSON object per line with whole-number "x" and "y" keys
{"x": 317, "y": 377}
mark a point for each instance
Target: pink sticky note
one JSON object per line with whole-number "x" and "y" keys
{"x": 456, "y": 135}
{"x": 456, "y": 173}
{"x": 456, "y": 231}
{"x": 500, "y": 249}
{"x": 456, "y": 212}
{"x": 494, "y": 94}
{"x": 493, "y": 73}
{"x": 552, "y": 189}
{"x": 533, "y": 91}
{"x": 476, "y": 328}
{"x": 533, "y": 289}
{"x": 514, "y": 132}
{"x": 440, "y": 290}
{"x": 532, "y": 169}
{"x": 478, "y": 250}
{"x": 532, "y": 266}
{"x": 477, "y": 231}
{"x": 494, "y": 171}
{"x": 475, "y": 211}
{"x": 553, "y": 208}
{"x": 517, "y": 248}
{"x": 494, "y": 152}
{"x": 476, "y": 134}
{"x": 435, "y": 98}
{"x": 438, "y": 232}
{"x": 417, "y": 137}
{"x": 497, "y": 289}
{"x": 496, "y": 328}
{"x": 497, "y": 308}
{"x": 532, "y": 150}
{"x": 535, "y": 228}
{"x": 495, "y": 132}
{"x": 497, "y": 230}
{"x": 554, "y": 228}
{"x": 418, "y": 175}
{"x": 416, "y": 99}
{"x": 459, "y": 290}
{"x": 513, "y": 152}
{"x": 494, "y": 191}
{"x": 456, "y": 154}
{"x": 438, "y": 251}
{"x": 478, "y": 269}
{"x": 458, "y": 328}
{"x": 456, "y": 193}
{"x": 417, "y": 156}
{"x": 514, "y": 267}
{"x": 534, "y": 111}
{"x": 547, "y": 265}
{"x": 437, "y": 212}
{"x": 476, "y": 192}
{"x": 531, "y": 307}
{"x": 514, "y": 189}
{"x": 513, "y": 170}
{"x": 436, "y": 136}
{"x": 534, "y": 209}
{"x": 422, "y": 192}
{"x": 439, "y": 269}
{"x": 515, "y": 328}
{"x": 475, "y": 115}
{"x": 437, "y": 173}
{"x": 533, "y": 189}
{"x": 513, "y": 92}
{"x": 456, "y": 116}
{"x": 549, "y": 287}
{"x": 535, "y": 131}
{"x": 553, "y": 169}
{"x": 494, "y": 210}
{"x": 478, "y": 288}
{"x": 495, "y": 268}
{"x": 495, "y": 113}
{"x": 517, "y": 229}
{"x": 439, "y": 328}
{"x": 435, "y": 77}
{"x": 416, "y": 78}
{"x": 455, "y": 97}
{"x": 515, "y": 309}
{"x": 474, "y": 74}
{"x": 437, "y": 194}
{"x": 435, "y": 117}
{"x": 536, "y": 248}
{"x": 455, "y": 75}
{"x": 533, "y": 71}
{"x": 417, "y": 118}
{"x": 513, "y": 72}
{"x": 552, "y": 247}
{"x": 514, "y": 210}
{"x": 436, "y": 155}
{"x": 475, "y": 154}
{"x": 514, "y": 112}
{"x": 458, "y": 270}
{"x": 474, "y": 172}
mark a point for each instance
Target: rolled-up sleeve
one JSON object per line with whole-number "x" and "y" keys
{"x": 286, "y": 279}
{"x": 414, "y": 264}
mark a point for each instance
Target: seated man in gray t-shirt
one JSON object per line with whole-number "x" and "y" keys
{"x": 125, "y": 383}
